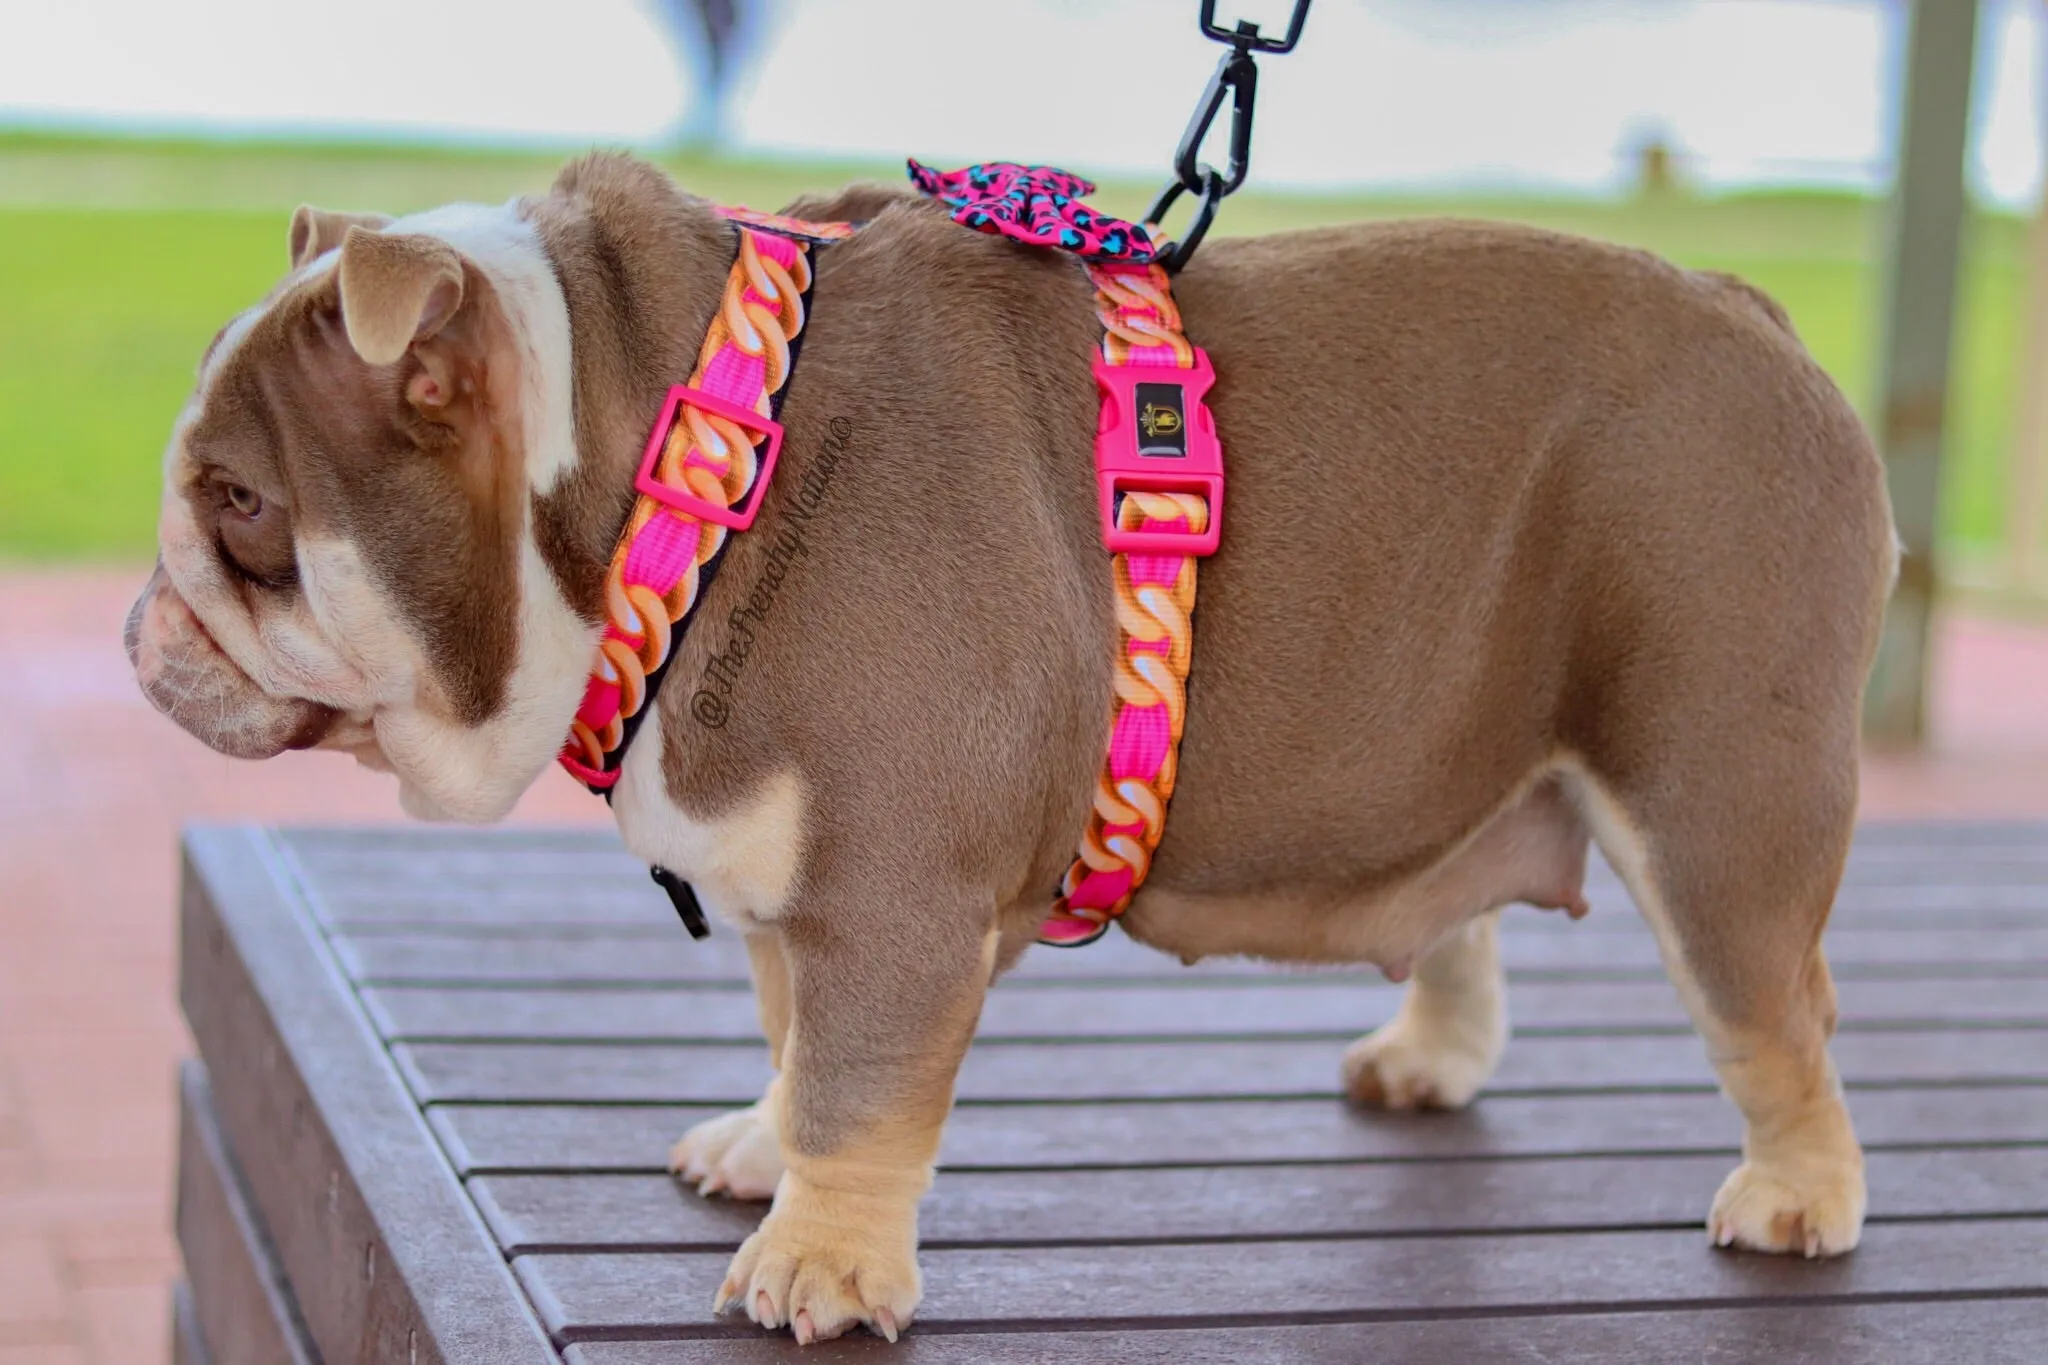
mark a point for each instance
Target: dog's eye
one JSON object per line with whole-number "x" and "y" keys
{"x": 246, "y": 501}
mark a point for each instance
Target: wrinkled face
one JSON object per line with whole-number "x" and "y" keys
{"x": 347, "y": 558}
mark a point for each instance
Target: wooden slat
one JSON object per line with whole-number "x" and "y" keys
{"x": 1914, "y": 838}
{"x": 729, "y": 1073}
{"x": 621, "y": 892}
{"x": 526, "y": 882}
{"x": 1310, "y": 1008}
{"x": 345, "y": 845}
{"x": 383, "y": 1249}
{"x": 505, "y": 904}
{"x": 539, "y": 876}
{"x": 664, "y": 955}
{"x": 993, "y": 1208}
{"x": 636, "y": 1138}
{"x": 242, "y": 1308}
{"x": 1502, "y": 1272}
{"x": 1997, "y": 1332}
{"x": 575, "y": 851}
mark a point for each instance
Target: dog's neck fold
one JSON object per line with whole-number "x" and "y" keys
{"x": 641, "y": 266}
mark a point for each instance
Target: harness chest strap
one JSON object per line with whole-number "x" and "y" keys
{"x": 702, "y": 477}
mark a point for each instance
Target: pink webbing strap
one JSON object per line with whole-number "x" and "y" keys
{"x": 1159, "y": 468}
{"x": 701, "y": 478}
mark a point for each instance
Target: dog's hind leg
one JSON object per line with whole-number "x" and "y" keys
{"x": 740, "y": 1154}
{"x": 1447, "y": 1038}
{"x": 1737, "y": 880}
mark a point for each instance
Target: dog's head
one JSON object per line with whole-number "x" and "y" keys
{"x": 347, "y": 556}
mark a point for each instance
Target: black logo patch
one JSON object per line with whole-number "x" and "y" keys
{"x": 1162, "y": 420}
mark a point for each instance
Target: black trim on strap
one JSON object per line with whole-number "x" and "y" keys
{"x": 707, "y": 572}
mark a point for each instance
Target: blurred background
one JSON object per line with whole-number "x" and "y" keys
{"x": 150, "y": 156}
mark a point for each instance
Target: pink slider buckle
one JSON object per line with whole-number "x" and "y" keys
{"x": 1156, "y": 435}
{"x": 681, "y": 499}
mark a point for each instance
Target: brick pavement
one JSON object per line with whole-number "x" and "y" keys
{"x": 93, "y": 787}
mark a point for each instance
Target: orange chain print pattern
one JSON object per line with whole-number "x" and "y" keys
{"x": 702, "y": 464}
{"x": 1138, "y": 314}
{"x": 1155, "y": 603}
{"x": 1149, "y": 614}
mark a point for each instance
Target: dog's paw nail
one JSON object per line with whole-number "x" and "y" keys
{"x": 711, "y": 1184}
{"x": 723, "y": 1299}
{"x": 764, "y": 1309}
{"x": 885, "y": 1323}
{"x": 1812, "y": 1210}
{"x": 805, "y": 1332}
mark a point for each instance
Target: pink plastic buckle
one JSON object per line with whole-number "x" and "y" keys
{"x": 681, "y": 499}
{"x": 1155, "y": 435}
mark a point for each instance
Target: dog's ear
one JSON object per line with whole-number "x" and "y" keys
{"x": 314, "y": 232}
{"x": 396, "y": 290}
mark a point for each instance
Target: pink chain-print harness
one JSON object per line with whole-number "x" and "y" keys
{"x": 1159, "y": 476}
{"x": 1159, "y": 481}
{"x": 702, "y": 477}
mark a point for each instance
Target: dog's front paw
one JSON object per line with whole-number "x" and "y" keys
{"x": 1817, "y": 1211}
{"x": 737, "y": 1154}
{"x": 822, "y": 1262}
{"x": 1408, "y": 1064}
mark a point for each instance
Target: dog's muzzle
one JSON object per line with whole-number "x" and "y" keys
{"x": 188, "y": 677}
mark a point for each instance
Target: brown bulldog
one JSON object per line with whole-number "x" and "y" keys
{"x": 1531, "y": 541}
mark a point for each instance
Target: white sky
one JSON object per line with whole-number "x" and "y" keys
{"x": 1381, "y": 92}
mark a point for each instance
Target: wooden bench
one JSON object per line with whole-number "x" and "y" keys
{"x": 439, "y": 1074}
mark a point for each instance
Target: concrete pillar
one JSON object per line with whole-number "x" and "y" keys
{"x": 1928, "y": 206}
{"x": 2026, "y": 523}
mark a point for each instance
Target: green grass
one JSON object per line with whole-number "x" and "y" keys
{"x": 105, "y": 315}
{"x": 118, "y": 260}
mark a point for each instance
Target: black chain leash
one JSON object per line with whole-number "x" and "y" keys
{"x": 1237, "y": 77}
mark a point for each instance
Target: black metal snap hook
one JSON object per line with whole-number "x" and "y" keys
{"x": 1237, "y": 77}
{"x": 1175, "y": 254}
{"x": 1247, "y": 34}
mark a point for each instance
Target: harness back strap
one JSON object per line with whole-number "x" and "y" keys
{"x": 702, "y": 477}
{"x": 1159, "y": 477}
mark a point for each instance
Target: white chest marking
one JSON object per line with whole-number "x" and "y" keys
{"x": 742, "y": 865}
